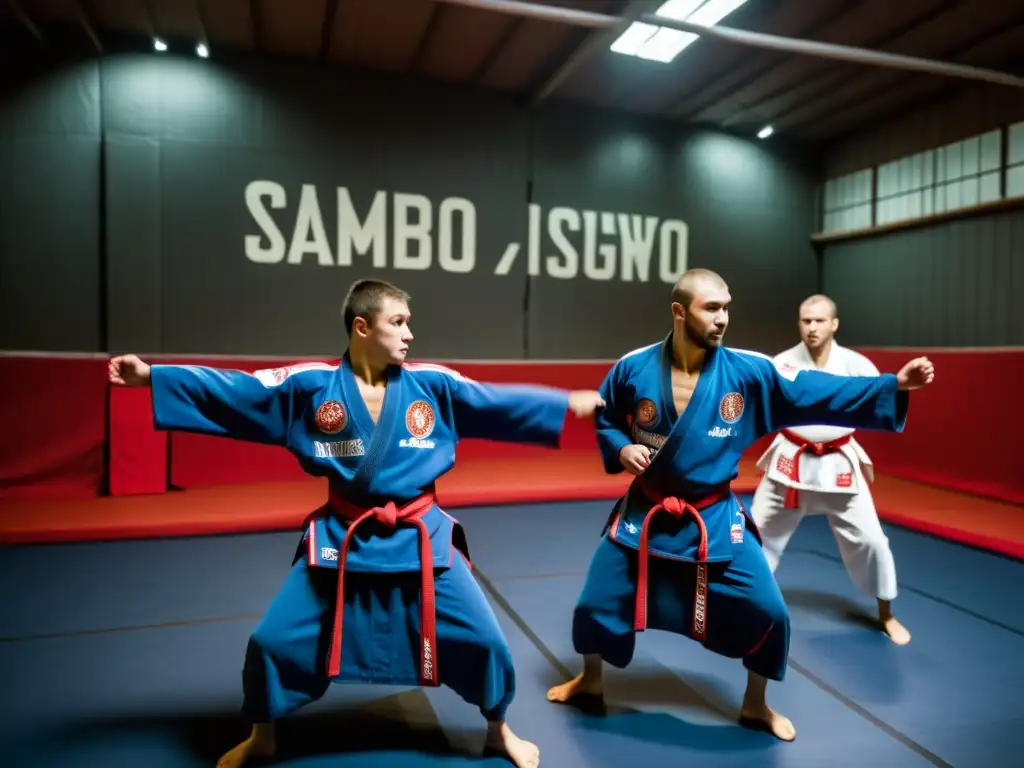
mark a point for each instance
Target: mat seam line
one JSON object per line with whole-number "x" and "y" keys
{"x": 925, "y": 595}
{"x": 857, "y": 709}
{"x": 129, "y": 628}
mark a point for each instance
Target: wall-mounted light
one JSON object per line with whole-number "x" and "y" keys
{"x": 159, "y": 45}
{"x": 765, "y": 132}
{"x": 202, "y": 51}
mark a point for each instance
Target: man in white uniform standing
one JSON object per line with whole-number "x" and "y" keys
{"x": 823, "y": 470}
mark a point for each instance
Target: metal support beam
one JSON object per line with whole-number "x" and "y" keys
{"x": 204, "y": 36}
{"x": 327, "y": 29}
{"x": 595, "y": 42}
{"x": 87, "y": 25}
{"x": 26, "y": 20}
{"x": 753, "y": 39}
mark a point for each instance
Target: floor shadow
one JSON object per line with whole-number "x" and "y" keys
{"x": 669, "y": 731}
{"x": 395, "y": 731}
{"x": 828, "y": 604}
{"x": 632, "y": 694}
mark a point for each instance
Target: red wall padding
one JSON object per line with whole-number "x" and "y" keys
{"x": 138, "y": 452}
{"x": 53, "y": 424}
{"x": 961, "y": 433}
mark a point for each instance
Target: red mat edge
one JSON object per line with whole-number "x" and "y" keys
{"x": 290, "y": 520}
{"x": 956, "y": 535}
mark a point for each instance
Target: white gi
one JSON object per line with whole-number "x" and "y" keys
{"x": 834, "y": 483}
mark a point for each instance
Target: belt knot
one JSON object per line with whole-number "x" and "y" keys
{"x": 387, "y": 514}
{"x": 674, "y": 506}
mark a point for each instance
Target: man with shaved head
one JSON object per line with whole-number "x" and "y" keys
{"x": 678, "y": 552}
{"x": 822, "y": 470}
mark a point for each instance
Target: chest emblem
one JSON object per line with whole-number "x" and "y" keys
{"x": 331, "y": 417}
{"x": 420, "y": 419}
{"x": 731, "y": 407}
{"x": 646, "y": 412}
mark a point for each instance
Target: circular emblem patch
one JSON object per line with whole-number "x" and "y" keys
{"x": 646, "y": 412}
{"x": 419, "y": 419}
{"x": 330, "y": 417}
{"x": 731, "y": 408}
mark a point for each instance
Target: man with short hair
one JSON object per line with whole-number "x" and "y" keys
{"x": 380, "y": 559}
{"x": 819, "y": 469}
{"x": 679, "y": 552}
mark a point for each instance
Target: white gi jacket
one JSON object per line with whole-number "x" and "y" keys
{"x": 844, "y": 470}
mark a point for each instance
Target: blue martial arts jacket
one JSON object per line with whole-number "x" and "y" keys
{"x": 740, "y": 396}
{"x": 315, "y": 411}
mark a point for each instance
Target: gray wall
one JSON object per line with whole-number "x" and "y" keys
{"x": 957, "y": 283}
{"x": 50, "y": 218}
{"x": 134, "y": 231}
{"x": 959, "y": 112}
{"x": 947, "y": 283}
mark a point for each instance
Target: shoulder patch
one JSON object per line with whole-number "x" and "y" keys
{"x": 787, "y": 370}
{"x": 275, "y": 377}
{"x": 638, "y": 350}
{"x": 434, "y": 368}
{"x": 751, "y": 353}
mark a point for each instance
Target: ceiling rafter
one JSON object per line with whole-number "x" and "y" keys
{"x": 961, "y": 51}
{"x": 25, "y": 19}
{"x": 537, "y": 53}
{"x": 831, "y": 74}
{"x": 682, "y": 108}
{"x": 598, "y": 40}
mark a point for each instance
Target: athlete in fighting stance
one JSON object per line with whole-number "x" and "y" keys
{"x": 823, "y": 470}
{"x": 679, "y": 552}
{"x": 382, "y": 431}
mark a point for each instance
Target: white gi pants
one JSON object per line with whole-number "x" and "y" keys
{"x": 863, "y": 544}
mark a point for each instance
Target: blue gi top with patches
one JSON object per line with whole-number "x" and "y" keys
{"x": 740, "y": 396}
{"x": 316, "y": 412}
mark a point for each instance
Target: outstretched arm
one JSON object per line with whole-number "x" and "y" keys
{"x": 225, "y": 403}
{"x": 515, "y": 413}
{"x": 791, "y": 399}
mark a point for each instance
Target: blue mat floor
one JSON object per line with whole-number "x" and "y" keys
{"x": 129, "y": 654}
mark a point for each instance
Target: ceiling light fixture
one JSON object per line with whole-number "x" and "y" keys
{"x": 647, "y": 41}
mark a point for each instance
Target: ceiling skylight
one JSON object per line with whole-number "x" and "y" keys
{"x": 647, "y": 41}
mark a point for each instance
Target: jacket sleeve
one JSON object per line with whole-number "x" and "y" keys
{"x": 254, "y": 407}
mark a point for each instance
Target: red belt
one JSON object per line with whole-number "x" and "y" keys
{"x": 818, "y": 449}
{"x": 391, "y": 515}
{"x": 678, "y": 509}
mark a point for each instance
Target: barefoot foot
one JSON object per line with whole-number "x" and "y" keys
{"x": 260, "y": 744}
{"x": 581, "y": 685}
{"x": 522, "y": 754}
{"x": 766, "y": 719}
{"x": 896, "y": 631}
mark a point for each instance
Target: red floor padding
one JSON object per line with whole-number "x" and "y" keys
{"x": 556, "y": 476}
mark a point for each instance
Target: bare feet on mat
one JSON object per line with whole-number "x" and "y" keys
{"x": 260, "y": 744}
{"x": 581, "y": 685}
{"x": 522, "y": 754}
{"x": 767, "y": 719}
{"x": 756, "y": 714}
{"x": 589, "y": 684}
{"x": 896, "y": 631}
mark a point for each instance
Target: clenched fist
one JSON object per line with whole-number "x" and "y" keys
{"x": 128, "y": 371}
{"x": 635, "y": 458}
{"x": 585, "y": 402}
{"x": 918, "y": 373}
